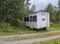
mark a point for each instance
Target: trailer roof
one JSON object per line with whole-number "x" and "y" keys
{"x": 40, "y": 11}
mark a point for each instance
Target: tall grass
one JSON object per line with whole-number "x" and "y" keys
{"x": 54, "y": 26}
{"x": 56, "y": 41}
{"x": 7, "y": 29}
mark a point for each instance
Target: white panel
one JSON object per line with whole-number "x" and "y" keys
{"x": 43, "y": 20}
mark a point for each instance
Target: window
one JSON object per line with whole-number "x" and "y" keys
{"x": 42, "y": 14}
{"x": 34, "y": 18}
{"x": 43, "y": 19}
{"x": 31, "y": 18}
{"x": 26, "y": 19}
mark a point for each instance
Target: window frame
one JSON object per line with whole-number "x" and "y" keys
{"x": 34, "y": 18}
{"x": 31, "y": 18}
{"x": 26, "y": 19}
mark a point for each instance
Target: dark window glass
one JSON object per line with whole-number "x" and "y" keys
{"x": 27, "y": 19}
{"x": 34, "y": 18}
{"x": 43, "y": 19}
{"x": 31, "y": 18}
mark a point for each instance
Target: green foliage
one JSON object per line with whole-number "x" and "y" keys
{"x": 56, "y": 41}
{"x": 53, "y": 11}
{"x": 58, "y": 13}
{"x": 59, "y": 4}
{"x": 32, "y": 10}
{"x": 26, "y": 7}
{"x": 11, "y": 10}
{"x": 50, "y": 10}
{"x": 54, "y": 26}
{"x": 7, "y": 29}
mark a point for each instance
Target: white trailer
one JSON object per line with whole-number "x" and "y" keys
{"x": 38, "y": 20}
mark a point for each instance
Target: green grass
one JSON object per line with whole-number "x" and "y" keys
{"x": 15, "y": 30}
{"x": 10, "y": 30}
{"x": 56, "y": 41}
{"x": 54, "y": 26}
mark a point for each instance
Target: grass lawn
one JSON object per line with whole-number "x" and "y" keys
{"x": 10, "y": 30}
{"x": 15, "y": 30}
{"x": 56, "y": 41}
{"x": 54, "y": 26}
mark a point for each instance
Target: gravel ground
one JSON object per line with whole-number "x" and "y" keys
{"x": 29, "y": 41}
{"x": 26, "y": 34}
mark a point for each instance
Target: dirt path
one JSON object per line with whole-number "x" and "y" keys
{"x": 30, "y": 41}
{"x": 27, "y": 34}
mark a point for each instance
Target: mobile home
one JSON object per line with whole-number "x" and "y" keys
{"x": 38, "y": 20}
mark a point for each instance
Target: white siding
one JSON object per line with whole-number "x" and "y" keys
{"x": 43, "y": 20}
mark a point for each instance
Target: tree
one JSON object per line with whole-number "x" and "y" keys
{"x": 32, "y": 10}
{"x": 55, "y": 13}
{"x": 58, "y": 14}
{"x": 50, "y": 9}
{"x": 26, "y": 7}
{"x": 59, "y": 4}
{"x": 11, "y": 10}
